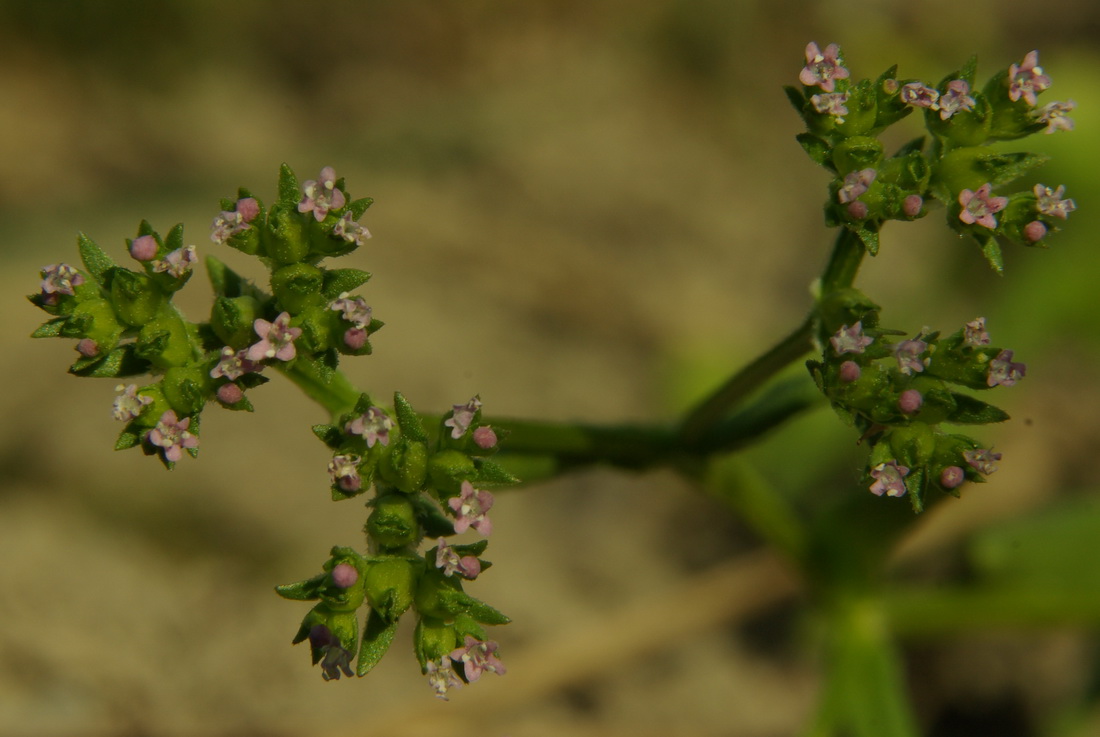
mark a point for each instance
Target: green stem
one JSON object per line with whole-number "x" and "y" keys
{"x": 324, "y": 385}
{"x": 844, "y": 262}
{"x": 711, "y": 410}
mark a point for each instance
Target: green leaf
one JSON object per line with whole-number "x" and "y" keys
{"x": 225, "y": 281}
{"x": 817, "y": 149}
{"x": 51, "y": 329}
{"x": 95, "y": 260}
{"x": 307, "y": 590}
{"x": 971, "y": 411}
{"x": 431, "y": 518}
{"x": 338, "y": 281}
{"x": 869, "y": 236}
{"x": 461, "y": 602}
{"x": 127, "y": 439}
{"x": 411, "y": 425}
{"x": 992, "y": 252}
{"x": 358, "y": 207}
{"x": 1002, "y": 168}
{"x": 174, "y": 241}
{"x": 493, "y": 474}
{"x": 917, "y": 144}
{"x": 122, "y": 361}
{"x": 795, "y": 97}
{"x": 330, "y": 435}
{"x": 377, "y": 638}
{"x": 289, "y": 190}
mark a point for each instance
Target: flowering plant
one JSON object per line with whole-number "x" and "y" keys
{"x": 903, "y": 391}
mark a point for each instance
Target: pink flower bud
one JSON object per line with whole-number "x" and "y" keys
{"x": 912, "y": 205}
{"x": 88, "y": 348}
{"x": 143, "y": 248}
{"x": 485, "y": 438}
{"x": 857, "y": 210}
{"x": 952, "y": 477}
{"x": 230, "y": 394}
{"x": 355, "y": 338}
{"x": 1034, "y": 231}
{"x": 849, "y": 372}
{"x": 910, "y": 401}
{"x": 248, "y": 208}
{"x": 344, "y": 575}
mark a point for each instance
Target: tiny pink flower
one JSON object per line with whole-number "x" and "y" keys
{"x": 355, "y": 309}
{"x": 143, "y": 248}
{"x": 472, "y": 508}
{"x": 344, "y": 575}
{"x": 1054, "y": 115}
{"x": 233, "y": 365}
{"x": 171, "y": 434}
{"x": 321, "y": 196}
{"x": 910, "y": 401}
{"x": 478, "y": 658}
{"x": 912, "y": 205}
{"x": 908, "y": 353}
{"x": 466, "y": 566}
{"x": 920, "y": 95}
{"x": 462, "y": 417}
{"x": 276, "y": 339}
{"x": 1051, "y": 203}
{"x": 822, "y": 67}
{"x": 344, "y": 472}
{"x": 850, "y": 339}
{"x": 1035, "y": 231}
{"x": 1027, "y": 80}
{"x": 956, "y": 99}
{"x": 855, "y": 184}
{"x": 441, "y": 677}
{"x": 951, "y": 477}
{"x": 1003, "y": 371}
{"x": 848, "y": 372}
{"x": 485, "y": 437}
{"x": 233, "y": 222}
{"x": 974, "y": 332}
{"x": 374, "y": 426}
{"x": 351, "y": 231}
{"x": 177, "y": 263}
{"x": 831, "y": 103}
{"x": 60, "y": 279}
{"x": 889, "y": 479}
{"x": 979, "y": 207}
{"x": 129, "y": 404}
{"x": 981, "y": 460}
{"x": 230, "y": 394}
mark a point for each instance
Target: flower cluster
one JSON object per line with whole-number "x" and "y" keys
{"x": 427, "y": 488}
{"x": 898, "y": 390}
{"x": 846, "y": 116}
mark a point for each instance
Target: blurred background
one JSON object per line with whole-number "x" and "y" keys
{"x": 583, "y": 211}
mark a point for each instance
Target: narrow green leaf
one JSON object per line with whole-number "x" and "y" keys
{"x": 971, "y": 411}
{"x": 377, "y": 638}
{"x": 95, "y": 260}
{"x": 869, "y": 236}
{"x": 51, "y": 329}
{"x": 174, "y": 241}
{"x": 411, "y": 425}
{"x": 307, "y": 590}
{"x": 225, "y": 281}
{"x": 122, "y": 361}
{"x": 330, "y": 435}
{"x": 992, "y": 252}
{"x": 338, "y": 281}
{"x": 358, "y": 207}
{"x": 817, "y": 149}
{"x": 127, "y": 439}
{"x": 493, "y": 474}
{"x": 795, "y": 97}
{"x": 289, "y": 191}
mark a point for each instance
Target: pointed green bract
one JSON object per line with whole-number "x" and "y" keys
{"x": 377, "y": 638}
{"x": 289, "y": 191}
{"x": 95, "y": 261}
{"x": 411, "y": 425}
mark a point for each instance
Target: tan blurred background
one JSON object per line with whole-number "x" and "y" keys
{"x": 583, "y": 210}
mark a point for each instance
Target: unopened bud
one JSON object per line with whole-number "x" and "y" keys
{"x": 857, "y": 210}
{"x": 912, "y": 205}
{"x": 143, "y": 248}
{"x": 1034, "y": 231}
{"x": 952, "y": 477}
{"x": 230, "y": 394}
{"x": 87, "y": 348}
{"x": 849, "y": 371}
{"x": 910, "y": 401}
{"x": 344, "y": 575}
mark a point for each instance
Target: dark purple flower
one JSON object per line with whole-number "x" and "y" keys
{"x": 889, "y": 479}
{"x": 822, "y": 67}
{"x": 335, "y": 658}
{"x": 233, "y": 365}
{"x": 1003, "y": 371}
{"x": 321, "y": 196}
{"x": 1027, "y": 80}
{"x": 979, "y": 207}
{"x": 478, "y": 657}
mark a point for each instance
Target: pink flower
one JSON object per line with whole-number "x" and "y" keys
{"x": 472, "y": 508}
{"x": 233, "y": 365}
{"x": 956, "y": 99}
{"x": 981, "y": 460}
{"x": 831, "y": 103}
{"x": 351, "y": 231}
{"x": 850, "y": 339}
{"x": 177, "y": 263}
{"x": 321, "y": 196}
{"x": 466, "y": 566}
{"x": 1054, "y": 115}
{"x": 979, "y": 207}
{"x": 441, "y": 677}
{"x": 60, "y": 279}
{"x": 1027, "y": 80}
{"x": 889, "y": 479}
{"x": 822, "y": 68}
{"x": 232, "y": 222}
{"x": 462, "y": 417}
{"x": 276, "y": 339}
{"x": 374, "y": 426}
{"x": 1003, "y": 371}
{"x": 1051, "y": 203}
{"x": 129, "y": 404}
{"x": 974, "y": 332}
{"x": 478, "y": 658}
{"x": 344, "y": 472}
{"x": 908, "y": 353}
{"x": 855, "y": 184}
{"x": 919, "y": 95}
{"x": 355, "y": 309}
{"x": 171, "y": 434}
